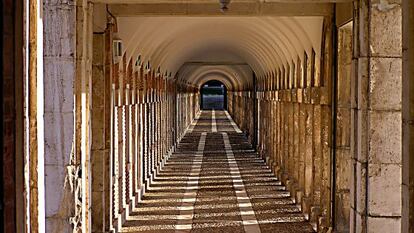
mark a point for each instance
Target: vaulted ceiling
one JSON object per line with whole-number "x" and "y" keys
{"x": 265, "y": 44}
{"x": 195, "y": 42}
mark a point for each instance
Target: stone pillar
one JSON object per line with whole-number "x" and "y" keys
{"x": 325, "y": 123}
{"x": 377, "y": 148}
{"x": 100, "y": 136}
{"x": 343, "y": 132}
{"x": 296, "y": 143}
{"x": 317, "y": 159}
{"x": 408, "y": 117}
{"x": 302, "y": 149}
{"x": 59, "y": 77}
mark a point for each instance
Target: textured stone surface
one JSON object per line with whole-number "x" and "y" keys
{"x": 362, "y": 83}
{"x": 384, "y": 181}
{"x": 59, "y": 82}
{"x": 385, "y": 83}
{"x": 392, "y": 225}
{"x": 58, "y": 86}
{"x": 58, "y": 143}
{"x": 377, "y": 140}
{"x": 385, "y": 28}
{"x": 360, "y": 188}
{"x": 385, "y": 138}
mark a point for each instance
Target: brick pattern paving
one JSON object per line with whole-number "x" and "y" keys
{"x": 216, "y": 182}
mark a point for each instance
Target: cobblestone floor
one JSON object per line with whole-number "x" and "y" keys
{"x": 215, "y": 182}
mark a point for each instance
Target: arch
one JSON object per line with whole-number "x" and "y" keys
{"x": 213, "y": 95}
{"x": 234, "y": 76}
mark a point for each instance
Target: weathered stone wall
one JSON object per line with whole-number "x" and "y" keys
{"x": 376, "y": 117}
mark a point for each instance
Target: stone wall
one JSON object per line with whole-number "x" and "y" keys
{"x": 376, "y": 117}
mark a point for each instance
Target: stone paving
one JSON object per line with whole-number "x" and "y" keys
{"x": 216, "y": 182}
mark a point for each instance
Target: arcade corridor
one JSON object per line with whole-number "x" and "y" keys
{"x": 207, "y": 116}
{"x": 216, "y": 182}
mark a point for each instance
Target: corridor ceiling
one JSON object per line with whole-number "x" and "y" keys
{"x": 264, "y": 43}
{"x": 209, "y": 45}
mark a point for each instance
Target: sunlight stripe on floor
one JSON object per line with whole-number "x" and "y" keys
{"x": 185, "y": 221}
{"x": 213, "y": 122}
{"x": 250, "y": 222}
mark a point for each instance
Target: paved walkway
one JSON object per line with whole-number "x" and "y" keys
{"x": 215, "y": 182}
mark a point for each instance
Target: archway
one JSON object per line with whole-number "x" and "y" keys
{"x": 213, "y": 95}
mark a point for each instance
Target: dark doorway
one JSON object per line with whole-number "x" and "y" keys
{"x": 213, "y": 95}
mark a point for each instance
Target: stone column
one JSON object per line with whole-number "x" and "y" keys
{"x": 59, "y": 40}
{"x": 377, "y": 147}
{"x": 325, "y": 126}
{"x": 296, "y": 144}
{"x": 308, "y": 151}
{"x": 100, "y": 149}
{"x": 343, "y": 133}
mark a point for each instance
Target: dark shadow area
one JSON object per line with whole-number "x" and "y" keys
{"x": 213, "y": 95}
